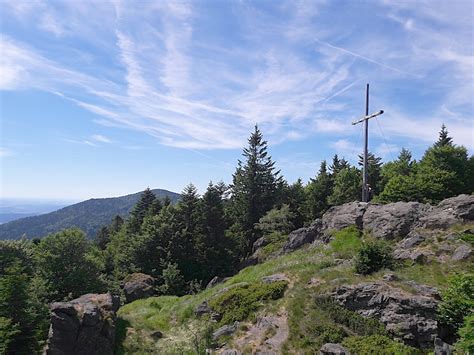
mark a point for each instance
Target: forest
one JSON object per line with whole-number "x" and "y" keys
{"x": 185, "y": 244}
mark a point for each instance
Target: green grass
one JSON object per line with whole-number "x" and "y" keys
{"x": 239, "y": 303}
{"x": 310, "y": 324}
{"x": 345, "y": 243}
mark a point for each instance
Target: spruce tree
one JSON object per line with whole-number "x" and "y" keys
{"x": 347, "y": 187}
{"x": 140, "y": 211}
{"x": 318, "y": 191}
{"x": 254, "y": 188}
{"x": 444, "y": 139}
{"x": 374, "y": 165}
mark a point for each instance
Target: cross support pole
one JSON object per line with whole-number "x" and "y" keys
{"x": 365, "y": 119}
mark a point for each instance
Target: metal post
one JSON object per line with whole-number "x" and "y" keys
{"x": 365, "y": 189}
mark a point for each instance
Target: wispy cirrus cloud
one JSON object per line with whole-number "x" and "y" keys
{"x": 178, "y": 74}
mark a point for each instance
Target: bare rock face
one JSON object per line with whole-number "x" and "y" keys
{"x": 462, "y": 252}
{"x": 348, "y": 214}
{"x": 410, "y": 317}
{"x": 85, "y": 325}
{"x": 394, "y": 219}
{"x": 454, "y": 210}
{"x": 333, "y": 349}
{"x": 302, "y": 236}
{"x": 138, "y": 286}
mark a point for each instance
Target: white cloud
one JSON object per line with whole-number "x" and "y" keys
{"x": 100, "y": 138}
{"x": 293, "y": 75}
{"x": 4, "y": 152}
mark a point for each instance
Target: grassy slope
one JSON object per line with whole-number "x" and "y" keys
{"x": 327, "y": 265}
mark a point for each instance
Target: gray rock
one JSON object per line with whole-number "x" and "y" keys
{"x": 202, "y": 308}
{"x": 417, "y": 256}
{"x": 250, "y": 261}
{"x": 451, "y": 211}
{"x": 302, "y": 236}
{"x": 230, "y": 352}
{"x": 225, "y": 330}
{"x": 442, "y": 348}
{"x": 216, "y": 317}
{"x": 216, "y": 280}
{"x": 462, "y": 252}
{"x": 425, "y": 290}
{"x": 333, "y": 349}
{"x": 392, "y": 220}
{"x": 412, "y": 318}
{"x": 138, "y": 286}
{"x": 339, "y": 217}
{"x": 413, "y": 239}
{"x": 260, "y": 243}
{"x": 274, "y": 278}
{"x": 390, "y": 277}
{"x": 85, "y": 325}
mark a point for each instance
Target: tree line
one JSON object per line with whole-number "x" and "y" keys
{"x": 184, "y": 245}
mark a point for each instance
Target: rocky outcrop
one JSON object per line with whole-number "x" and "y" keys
{"x": 225, "y": 330}
{"x": 409, "y": 317}
{"x": 442, "y": 348}
{"x": 202, "y": 308}
{"x": 259, "y": 244}
{"x": 216, "y": 280}
{"x": 462, "y": 252}
{"x": 302, "y": 236}
{"x": 348, "y": 214}
{"x": 451, "y": 211}
{"x": 392, "y": 220}
{"x": 138, "y": 286}
{"x": 333, "y": 349}
{"x": 85, "y": 325}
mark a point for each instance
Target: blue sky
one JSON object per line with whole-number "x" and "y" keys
{"x": 103, "y": 98}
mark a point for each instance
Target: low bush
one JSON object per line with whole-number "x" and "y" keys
{"x": 465, "y": 344}
{"x": 373, "y": 256}
{"x": 457, "y": 300}
{"x": 239, "y": 302}
{"x": 377, "y": 345}
{"x": 353, "y": 321}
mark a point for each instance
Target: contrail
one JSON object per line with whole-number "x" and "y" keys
{"x": 366, "y": 59}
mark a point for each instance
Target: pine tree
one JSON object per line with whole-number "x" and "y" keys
{"x": 188, "y": 230}
{"x": 102, "y": 238}
{"x": 347, "y": 187}
{"x": 318, "y": 191}
{"x": 214, "y": 248}
{"x": 337, "y": 165}
{"x": 116, "y": 224}
{"x": 444, "y": 139}
{"x": 255, "y": 183}
{"x": 140, "y": 211}
{"x": 374, "y": 165}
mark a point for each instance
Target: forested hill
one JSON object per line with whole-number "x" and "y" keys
{"x": 88, "y": 215}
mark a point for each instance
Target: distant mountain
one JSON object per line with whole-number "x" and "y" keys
{"x": 16, "y": 208}
{"x": 88, "y": 215}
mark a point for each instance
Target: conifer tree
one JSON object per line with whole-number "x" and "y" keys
{"x": 319, "y": 190}
{"x": 374, "y": 165}
{"x": 347, "y": 187}
{"x": 254, "y": 188}
{"x": 444, "y": 139}
{"x": 140, "y": 211}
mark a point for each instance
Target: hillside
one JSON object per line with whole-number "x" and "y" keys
{"x": 307, "y": 291}
{"x": 88, "y": 215}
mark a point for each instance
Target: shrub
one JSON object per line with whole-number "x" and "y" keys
{"x": 377, "y": 345}
{"x": 468, "y": 238}
{"x": 458, "y": 300}
{"x": 353, "y": 321}
{"x": 239, "y": 302}
{"x": 465, "y": 344}
{"x": 373, "y": 256}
